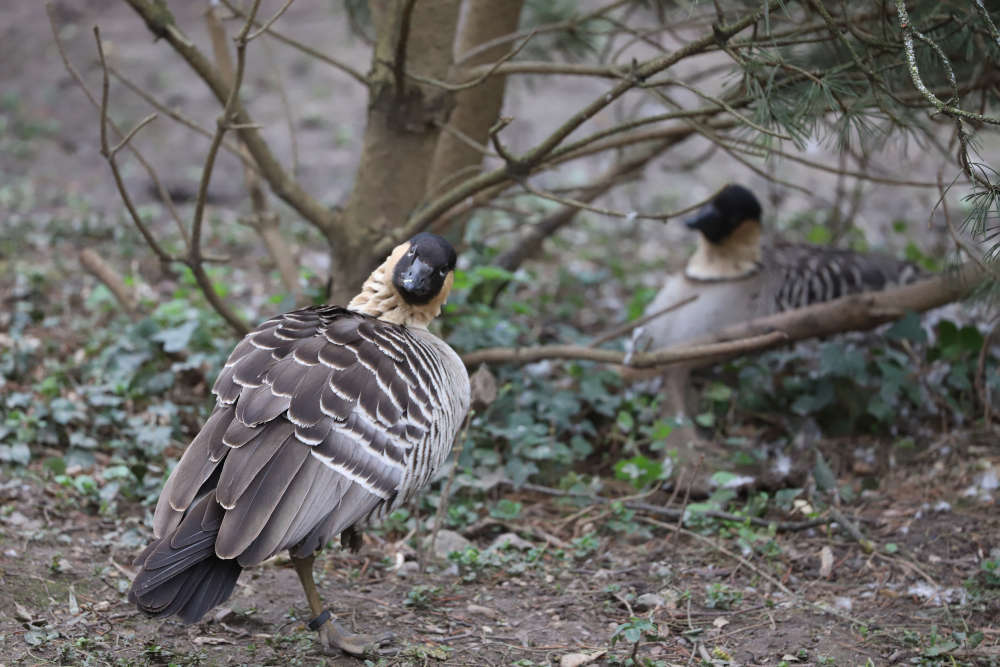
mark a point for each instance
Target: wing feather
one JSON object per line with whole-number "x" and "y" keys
{"x": 325, "y": 418}
{"x": 191, "y": 472}
{"x": 255, "y": 506}
{"x": 243, "y": 465}
{"x": 810, "y": 274}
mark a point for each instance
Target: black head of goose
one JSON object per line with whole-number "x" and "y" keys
{"x": 325, "y": 418}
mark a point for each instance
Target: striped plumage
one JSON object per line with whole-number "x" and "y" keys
{"x": 325, "y": 418}
{"x": 738, "y": 276}
{"x": 808, "y": 274}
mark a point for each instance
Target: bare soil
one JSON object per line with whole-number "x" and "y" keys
{"x": 64, "y": 570}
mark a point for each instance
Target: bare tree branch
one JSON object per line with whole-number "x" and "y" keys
{"x": 225, "y": 121}
{"x": 176, "y": 115}
{"x": 524, "y": 164}
{"x": 162, "y": 191}
{"x": 283, "y": 184}
{"x": 911, "y": 59}
{"x": 664, "y": 357}
{"x": 551, "y": 27}
{"x": 267, "y": 24}
{"x": 850, "y": 313}
{"x": 263, "y": 220}
{"x": 308, "y": 50}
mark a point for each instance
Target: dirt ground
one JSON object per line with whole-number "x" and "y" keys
{"x": 811, "y": 597}
{"x": 804, "y": 597}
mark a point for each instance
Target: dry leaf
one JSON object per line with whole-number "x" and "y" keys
{"x": 581, "y": 658}
{"x": 22, "y": 614}
{"x": 482, "y": 388}
{"x": 825, "y": 562}
{"x": 212, "y": 641}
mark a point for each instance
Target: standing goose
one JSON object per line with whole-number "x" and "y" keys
{"x": 325, "y": 418}
{"x": 736, "y": 277}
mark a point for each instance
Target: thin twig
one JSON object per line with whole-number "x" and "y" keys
{"x": 442, "y": 507}
{"x": 911, "y": 60}
{"x": 131, "y": 133}
{"x": 175, "y": 115}
{"x": 494, "y": 68}
{"x": 164, "y": 257}
{"x": 162, "y": 191}
{"x": 263, "y": 220}
{"x": 267, "y": 25}
{"x": 225, "y": 121}
{"x": 308, "y": 50}
{"x": 760, "y": 572}
{"x": 672, "y": 513}
{"x": 534, "y": 157}
{"x": 851, "y": 529}
{"x": 627, "y": 327}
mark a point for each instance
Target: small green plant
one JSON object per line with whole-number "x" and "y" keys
{"x": 722, "y": 596}
{"x": 634, "y": 631}
{"x": 989, "y": 571}
{"x": 585, "y": 545}
{"x": 506, "y": 510}
{"x": 422, "y": 596}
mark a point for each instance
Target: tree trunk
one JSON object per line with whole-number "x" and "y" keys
{"x": 476, "y": 109}
{"x": 402, "y": 132}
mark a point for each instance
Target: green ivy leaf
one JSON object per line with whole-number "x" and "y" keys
{"x": 176, "y": 338}
{"x": 908, "y": 328}
{"x": 718, "y": 393}
{"x": 506, "y": 509}
{"x": 625, "y": 421}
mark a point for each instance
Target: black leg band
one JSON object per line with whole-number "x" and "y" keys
{"x": 318, "y": 622}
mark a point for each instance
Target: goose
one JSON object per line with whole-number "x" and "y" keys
{"x": 736, "y": 275}
{"x": 326, "y": 418}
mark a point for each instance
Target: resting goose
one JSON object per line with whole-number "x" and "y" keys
{"x": 325, "y": 418}
{"x": 737, "y": 276}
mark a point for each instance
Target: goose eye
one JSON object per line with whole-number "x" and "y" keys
{"x": 413, "y": 251}
{"x": 443, "y": 272}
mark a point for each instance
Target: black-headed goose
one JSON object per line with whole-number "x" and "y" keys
{"x": 325, "y": 418}
{"x": 737, "y": 275}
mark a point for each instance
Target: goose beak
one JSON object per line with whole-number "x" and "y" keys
{"x": 705, "y": 216}
{"x": 417, "y": 279}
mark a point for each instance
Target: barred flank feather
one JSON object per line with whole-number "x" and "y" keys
{"x": 324, "y": 419}
{"x": 808, "y": 274}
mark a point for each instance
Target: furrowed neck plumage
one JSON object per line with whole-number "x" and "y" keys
{"x": 379, "y": 298}
{"x": 736, "y": 256}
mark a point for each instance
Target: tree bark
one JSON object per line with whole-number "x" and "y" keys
{"x": 476, "y": 109}
{"x": 404, "y": 120}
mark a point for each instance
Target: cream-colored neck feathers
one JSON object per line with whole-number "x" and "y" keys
{"x": 737, "y": 256}
{"x": 380, "y": 299}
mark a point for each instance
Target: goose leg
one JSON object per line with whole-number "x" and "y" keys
{"x": 332, "y": 634}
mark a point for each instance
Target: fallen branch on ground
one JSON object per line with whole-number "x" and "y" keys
{"x": 96, "y": 266}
